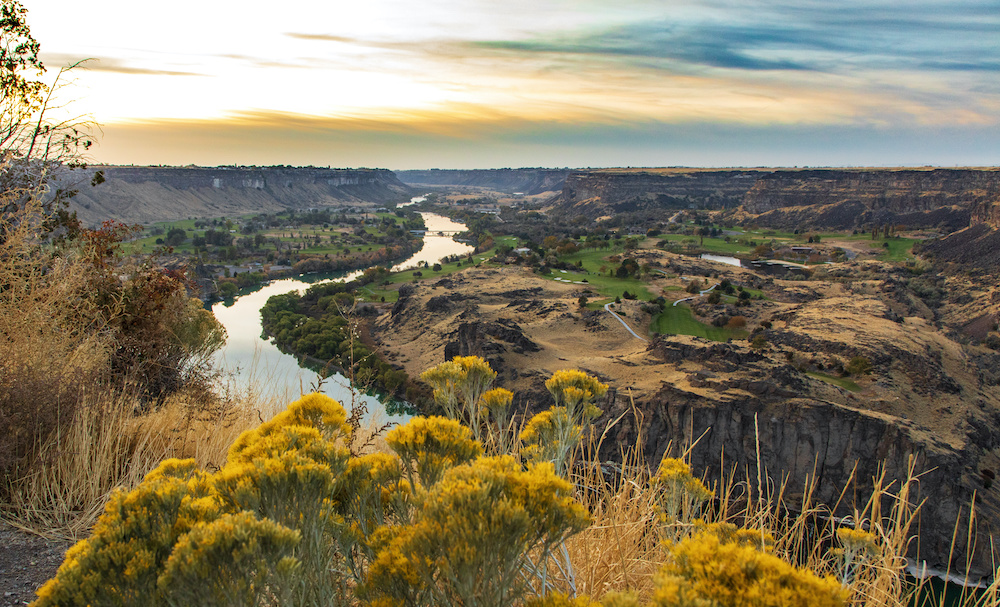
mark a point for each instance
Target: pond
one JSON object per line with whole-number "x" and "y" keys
{"x": 252, "y": 359}
{"x": 722, "y": 259}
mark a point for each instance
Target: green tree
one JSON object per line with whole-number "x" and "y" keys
{"x": 34, "y": 148}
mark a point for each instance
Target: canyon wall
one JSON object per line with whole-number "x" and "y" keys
{"x": 824, "y": 198}
{"x": 147, "y": 194}
{"x": 525, "y": 181}
{"x": 609, "y": 191}
{"x": 802, "y": 441}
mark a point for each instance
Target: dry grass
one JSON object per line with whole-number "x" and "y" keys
{"x": 108, "y": 446}
{"x": 626, "y": 544}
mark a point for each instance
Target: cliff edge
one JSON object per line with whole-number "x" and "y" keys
{"x": 148, "y": 194}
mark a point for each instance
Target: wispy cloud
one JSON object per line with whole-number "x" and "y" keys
{"x": 807, "y": 36}
{"x": 109, "y": 64}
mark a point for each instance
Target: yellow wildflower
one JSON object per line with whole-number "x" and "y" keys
{"x": 470, "y": 534}
{"x": 680, "y": 492}
{"x": 706, "y": 570}
{"x": 427, "y": 446}
{"x": 236, "y": 559}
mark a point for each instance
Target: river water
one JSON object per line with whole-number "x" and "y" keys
{"x": 253, "y": 360}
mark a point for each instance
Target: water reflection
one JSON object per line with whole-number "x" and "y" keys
{"x": 253, "y": 359}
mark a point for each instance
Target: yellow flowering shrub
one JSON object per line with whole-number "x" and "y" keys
{"x": 307, "y": 420}
{"x": 680, "y": 492}
{"x": 459, "y": 385}
{"x": 290, "y": 470}
{"x": 706, "y": 570}
{"x": 576, "y": 390}
{"x": 236, "y": 559}
{"x": 857, "y": 545}
{"x": 444, "y": 379}
{"x": 549, "y": 437}
{"x": 294, "y": 519}
{"x": 427, "y": 446}
{"x": 471, "y": 535}
{"x": 121, "y": 561}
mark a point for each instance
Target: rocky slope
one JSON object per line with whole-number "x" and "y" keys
{"x": 525, "y": 181}
{"x": 147, "y": 194}
{"x": 608, "y": 191}
{"x": 804, "y": 199}
{"x": 976, "y": 246}
{"x": 932, "y": 396}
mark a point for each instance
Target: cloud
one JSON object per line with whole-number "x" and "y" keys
{"x": 805, "y": 36}
{"x": 108, "y": 64}
{"x": 322, "y": 37}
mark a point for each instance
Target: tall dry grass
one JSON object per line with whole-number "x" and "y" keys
{"x": 71, "y": 429}
{"x": 625, "y": 546}
{"x": 111, "y": 443}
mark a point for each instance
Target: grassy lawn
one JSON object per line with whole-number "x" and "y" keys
{"x": 899, "y": 249}
{"x": 710, "y": 245}
{"x": 678, "y": 320}
{"x": 842, "y": 382}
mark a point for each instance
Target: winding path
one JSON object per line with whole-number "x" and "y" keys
{"x": 608, "y": 309}
{"x": 700, "y": 294}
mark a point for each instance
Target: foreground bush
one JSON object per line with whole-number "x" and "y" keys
{"x": 294, "y": 518}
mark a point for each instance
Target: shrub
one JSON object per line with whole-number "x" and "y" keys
{"x": 858, "y": 365}
{"x": 709, "y": 568}
{"x": 737, "y": 322}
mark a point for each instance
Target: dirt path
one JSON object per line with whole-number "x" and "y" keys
{"x": 26, "y": 562}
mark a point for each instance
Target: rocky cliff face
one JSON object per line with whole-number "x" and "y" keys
{"x": 932, "y": 395}
{"x": 803, "y": 440}
{"x": 146, "y": 194}
{"x": 526, "y": 181}
{"x": 830, "y": 198}
{"x": 987, "y": 211}
{"x": 608, "y": 191}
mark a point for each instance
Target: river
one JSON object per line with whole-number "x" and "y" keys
{"x": 252, "y": 360}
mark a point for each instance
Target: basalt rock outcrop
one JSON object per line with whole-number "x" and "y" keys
{"x": 795, "y": 199}
{"x": 806, "y": 439}
{"x": 977, "y": 246}
{"x": 147, "y": 194}
{"x": 608, "y": 191}
{"x": 525, "y": 181}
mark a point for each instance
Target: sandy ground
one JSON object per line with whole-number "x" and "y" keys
{"x": 26, "y": 562}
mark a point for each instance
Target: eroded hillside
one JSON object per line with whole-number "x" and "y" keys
{"x": 931, "y": 394}
{"x": 148, "y": 194}
{"x": 791, "y": 198}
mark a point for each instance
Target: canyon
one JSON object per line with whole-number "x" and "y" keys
{"x": 930, "y": 407}
{"x": 524, "y": 181}
{"x": 150, "y": 194}
{"x": 839, "y": 199}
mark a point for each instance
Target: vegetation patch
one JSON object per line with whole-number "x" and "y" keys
{"x": 841, "y": 382}
{"x": 678, "y": 320}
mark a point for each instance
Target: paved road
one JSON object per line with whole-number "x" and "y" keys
{"x": 700, "y": 294}
{"x": 608, "y": 309}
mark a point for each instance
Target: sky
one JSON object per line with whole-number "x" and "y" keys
{"x": 406, "y": 84}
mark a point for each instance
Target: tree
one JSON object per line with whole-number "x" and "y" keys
{"x": 33, "y": 146}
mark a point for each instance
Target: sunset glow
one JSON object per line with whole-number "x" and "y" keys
{"x": 556, "y": 83}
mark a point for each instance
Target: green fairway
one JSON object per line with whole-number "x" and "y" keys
{"x": 708, "y": 245}
{"x": 899, "y": 249}
{"x": 842, "y": 382}
{"x": 678, "y": 320}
